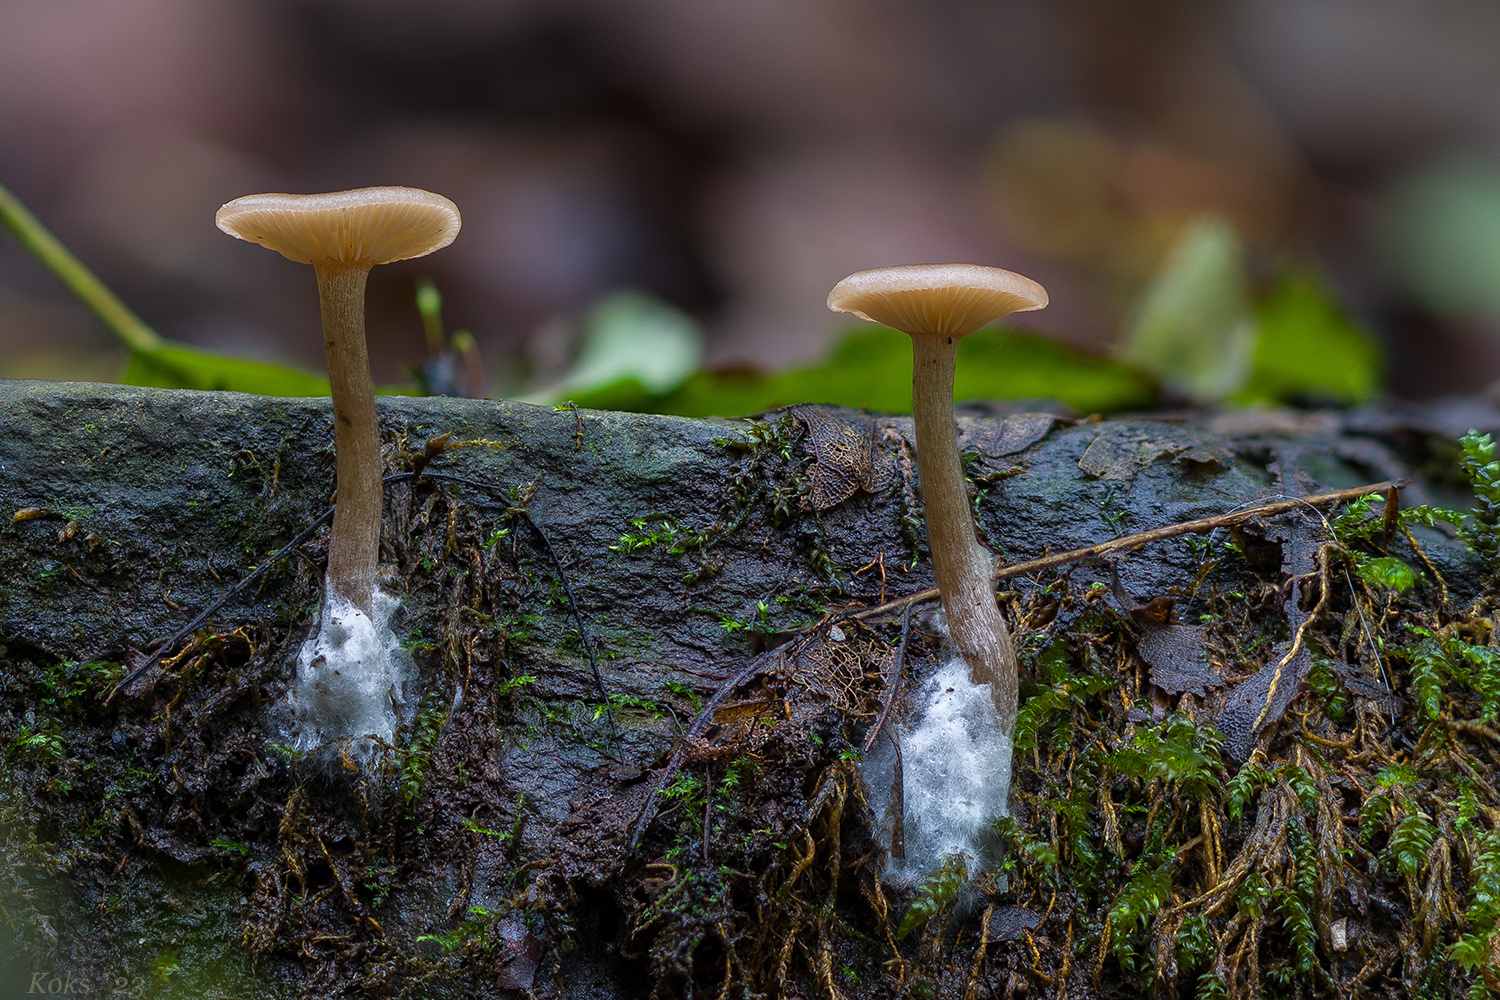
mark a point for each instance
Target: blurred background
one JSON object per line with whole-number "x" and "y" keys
{"x": 732, "y": 160}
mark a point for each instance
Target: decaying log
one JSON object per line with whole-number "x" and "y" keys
{"x": 173, "y": 836}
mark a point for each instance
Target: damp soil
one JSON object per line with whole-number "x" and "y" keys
{"x": 651, "y": 652}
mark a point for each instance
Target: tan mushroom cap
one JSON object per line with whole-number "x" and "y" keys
{"x": 948, "y": 300}
{"x": 363, "y": 227}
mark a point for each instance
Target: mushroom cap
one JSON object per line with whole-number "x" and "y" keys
{"x": 363, "y": 227}
{"x": 947, "y": 300}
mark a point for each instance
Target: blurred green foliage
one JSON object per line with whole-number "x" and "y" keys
{"x": 1193, "y": 325}
{"x": 1307, "y": 348}
{"x": 871, "y": 367}
{"x": 630, "y": 337}
{"x": 169, "y": 365}
{"x": 152, "y": 360}
{"x": 1198, "y": 328}
{"x": 1440, "y": 236}
{"x": 1208, "y": 338}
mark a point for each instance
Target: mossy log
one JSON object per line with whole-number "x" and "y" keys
{"x": 545, "y": 828}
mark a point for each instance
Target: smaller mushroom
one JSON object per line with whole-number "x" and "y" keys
{"x": 342, "y": 235}
{"x": 938, "y": 304}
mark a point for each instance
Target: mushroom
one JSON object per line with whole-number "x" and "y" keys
{"x": 937, "y": 304}
{"x": 342, "y": 235}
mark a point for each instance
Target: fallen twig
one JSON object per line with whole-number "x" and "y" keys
{"x": 892, "y": 685}
{"x": 166, "y": 645}
{"x": 1201, "y": 526}
{"x": 678, "y": 753}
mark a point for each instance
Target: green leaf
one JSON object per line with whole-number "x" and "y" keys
{"x": 1193, "y": 326}
{"x": 1441, "y": 236}
{"x": 1177, "y": 751}
{"x": 177, "y": 366}
{"x": 632, "y": 342}
{"x": 871, "y": 368}
{"x": 1385, "y": 572}
{"x": 1308, "y": 347}
{"x": 1409, "y": 844}
{"x": 1242, "y": 788}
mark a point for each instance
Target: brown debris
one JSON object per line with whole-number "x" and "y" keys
{"x": 1263, "y": 698}
{"x": 1178, "y": 657}
{"x": 1006, "y": 436}
{"x": 1008, "y": 923}
{"x": 845, "y": 459}
{"x": 1177, "y": 654}
{"x": 520, "y": 955}
{"x": 1123, "y": 448}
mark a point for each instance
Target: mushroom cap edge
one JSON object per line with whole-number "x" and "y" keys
{"x": 936, "y": 299}
{"x": 359, "y": 227}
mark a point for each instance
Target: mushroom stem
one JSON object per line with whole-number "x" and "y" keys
{"x": 962, "y": 567}
{"x": 354, "y": 544}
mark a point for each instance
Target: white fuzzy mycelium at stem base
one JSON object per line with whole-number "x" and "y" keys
{"x": 351, "y": 676}
{"x": 955, "y": 782}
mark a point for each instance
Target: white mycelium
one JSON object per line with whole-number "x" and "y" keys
{"x": 350, "y": 676}
{"x": 955, "y": 774}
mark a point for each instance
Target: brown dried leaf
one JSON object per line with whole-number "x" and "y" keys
{"x": 520, "y": 954}
{"x": 1261, "y": 699}
{"x": 1177, "y": 654}
{"x": 1008, "y": 923}
{"x": 845, "y": 460}
{"x": 1123, "y": 447}
{"x": 998, "y": 438}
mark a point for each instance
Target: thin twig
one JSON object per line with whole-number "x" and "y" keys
{"x": 583, "y": 632}
{"x": 678, "y": 753}
{"x": 892, "y": 685}
{"x": 255, "y": 574}
{"x": 1200, "y": 526}
{"x": 525, "y": 515}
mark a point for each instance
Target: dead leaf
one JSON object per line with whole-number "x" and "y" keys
{"x": 1176, "y": 654}
{"x": 845, "y": 460}
{"x": 1123, "y": 448}
{"x": 520, "y": 954}
{"x": 1207, "y": 457}
{"x": 1363, "y": 685}
{"x": 998, "y": 438}
{"x": 1262, "y": 698}
{"x": 1178, "y": 659}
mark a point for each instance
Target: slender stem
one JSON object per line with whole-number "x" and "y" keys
{"x": 83, "y": 283}
{"x": 354, "y": 543}
{"x": 962, "y": 567}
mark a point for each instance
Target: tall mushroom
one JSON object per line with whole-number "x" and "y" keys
{"x": 342, "y": 235}
{"x": 938, "y": 304}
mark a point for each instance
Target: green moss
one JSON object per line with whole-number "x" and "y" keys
{"x": 937, "y": 893}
